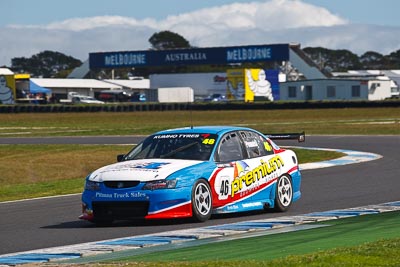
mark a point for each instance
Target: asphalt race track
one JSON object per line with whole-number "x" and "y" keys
{"x": 49, "y": 222}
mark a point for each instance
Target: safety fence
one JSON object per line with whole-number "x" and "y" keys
{"x": 139, "y": 107}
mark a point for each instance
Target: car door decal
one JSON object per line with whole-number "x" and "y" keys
{"x": 241, "y": 179}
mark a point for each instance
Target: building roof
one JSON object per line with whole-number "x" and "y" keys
{"x": 74, "y": 83}
{"x": 131, "y": 84}
{"x": 5, "y": 71}
{"x": 81, "y": 71}
{"x": 368, "y": 73}
{"x": 392, "y": 75}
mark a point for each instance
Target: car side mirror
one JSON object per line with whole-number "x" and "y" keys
{"x": 120, "y": 157}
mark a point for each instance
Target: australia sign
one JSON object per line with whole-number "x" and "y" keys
{"x": 194, "y": 56}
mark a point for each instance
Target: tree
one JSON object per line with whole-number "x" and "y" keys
{"x": 168, "y": 40}
{"x": 336, "y": 60}
{"x": 394, "y": 59}
{"x": 47, "y": 64}
{"x": 371, "y": 56}
{"x": 373, "y": 60}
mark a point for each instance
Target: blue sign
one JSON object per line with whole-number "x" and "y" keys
{"x": 273, "y": 77}
{"x": 195, "y": 56}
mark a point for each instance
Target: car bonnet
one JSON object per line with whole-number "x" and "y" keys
{"x": 140, "y": 170}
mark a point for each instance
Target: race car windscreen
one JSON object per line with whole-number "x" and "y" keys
{"x": 190, "y": 146}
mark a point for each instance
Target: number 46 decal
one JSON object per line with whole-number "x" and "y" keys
{"x": 224, "y": 191}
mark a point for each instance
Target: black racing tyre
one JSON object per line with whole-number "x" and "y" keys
{"x": 283, "y": 193}
{"x": 201, "y": 201}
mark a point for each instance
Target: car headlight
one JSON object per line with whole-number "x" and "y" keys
{"x": 92, "y": 186}
{"x": 160, "y": 184}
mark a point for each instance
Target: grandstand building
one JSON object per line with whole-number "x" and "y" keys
{"x": 294, "y": 77}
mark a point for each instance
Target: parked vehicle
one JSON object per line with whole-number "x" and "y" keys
{"x": 215, "y": 98}
{"x": 114, "y": 96}
{"x": 137, "y": 97}
{"x": 75, "y": 98}
{"x": 86, "y": 100}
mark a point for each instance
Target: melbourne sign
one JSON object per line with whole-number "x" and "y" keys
{"x": 195, "y": 56}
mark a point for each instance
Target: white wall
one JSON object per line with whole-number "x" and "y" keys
{"x": 203, "y": 84}
{"x": 338, "y": 89}
{"x": 175, "y": 95}
{"x": 379, "y": 89}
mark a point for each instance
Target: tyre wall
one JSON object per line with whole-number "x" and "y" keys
{"x": 138, "y": 107}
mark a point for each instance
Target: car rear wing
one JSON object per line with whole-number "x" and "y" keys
{"x": 301, "y": 137}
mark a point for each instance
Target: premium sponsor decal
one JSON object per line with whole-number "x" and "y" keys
{"x": 245, "y": 179}
{"x": 241, "y": 181}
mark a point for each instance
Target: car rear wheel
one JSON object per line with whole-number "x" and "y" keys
{"x": 284, "y": 193}
{"x": 201, "y": 201}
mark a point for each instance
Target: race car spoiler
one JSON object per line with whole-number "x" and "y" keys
{"x": 301, "y": 137}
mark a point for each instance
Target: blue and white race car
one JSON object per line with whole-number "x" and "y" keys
{"x": 194, "y": 172}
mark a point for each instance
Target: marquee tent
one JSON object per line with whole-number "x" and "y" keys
{"x": 36, "y": 89}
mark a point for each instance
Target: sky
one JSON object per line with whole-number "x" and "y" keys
{"x": 77, "y": 28}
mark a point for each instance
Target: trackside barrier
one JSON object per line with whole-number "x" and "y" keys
{"x": 136, "y": 107}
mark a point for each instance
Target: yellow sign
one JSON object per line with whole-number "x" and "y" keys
{"x": 22, "y": 76}
{"x": 235, "y": 84}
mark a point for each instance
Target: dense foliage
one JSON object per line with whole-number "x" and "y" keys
{"x": 168, "y": 40}
{"x": 46, "y": 64}
{"x": 343, "y": 60}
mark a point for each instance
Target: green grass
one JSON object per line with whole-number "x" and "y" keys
{"x": 368, "y": 121}
{"x": 368, "y": 240}
{"x": 41, "y": 189}
{"x": 29, "y": 171}
{"x": 310, "y": 155}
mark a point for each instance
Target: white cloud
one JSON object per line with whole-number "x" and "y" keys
{"x": 273, "y": 21}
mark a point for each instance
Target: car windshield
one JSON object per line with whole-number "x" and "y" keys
{"x": 190, "y": 146}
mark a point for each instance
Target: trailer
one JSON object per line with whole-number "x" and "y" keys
{"x": 171, "y": 95}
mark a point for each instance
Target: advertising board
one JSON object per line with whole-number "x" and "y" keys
{"x": 253, "y": 85}
{"x": 193, "y": 56}
{"x": 7, "y": 89}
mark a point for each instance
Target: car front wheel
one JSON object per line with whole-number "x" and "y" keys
{"x": 201, "y": 201}
{"x": 284, "y": 193}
